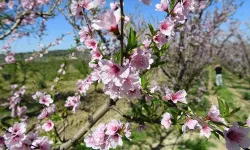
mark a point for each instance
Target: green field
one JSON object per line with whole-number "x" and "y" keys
{"x": 40, "y": 74}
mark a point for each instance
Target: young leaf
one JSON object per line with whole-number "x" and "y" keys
{"x": 164, "y": 49}
{"x": 151, "y": 28}
{"x": 118, "y": 57}
{"x": 221, "y": 106}
{"x": 215, "y": 134}
{"x": 144, "y": 82}
{"x": 235, "y": 111}
{"x": 132, "y": 43}
{"x": 226, "y": 109}
{"x": 172, "y": 4}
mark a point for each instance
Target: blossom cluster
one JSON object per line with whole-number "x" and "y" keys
{"x": 119, "y": 79}
{"x": 108, "y": 135}
{"x": 26, "y": 4}
{"x": 15, "y": 99}
{"x": 235, "y": 136}
{"x": 191, "y": 124}
{"x": 17, "y": 138}
{"x": 50, "y": 108}
{"x": 43, "y": 98}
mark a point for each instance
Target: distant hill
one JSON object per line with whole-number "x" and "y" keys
{"x": 51, "y": 54}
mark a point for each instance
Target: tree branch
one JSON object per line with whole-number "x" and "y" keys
{"x": 91, "y": 121}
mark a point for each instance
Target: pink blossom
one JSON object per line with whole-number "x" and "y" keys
{"x": 132, "y": 82}
{"x": 83, "y": 85}
{"x": 153, "y": 89}
{"x": 180, "y": 13}
{"x": 27, "y": 4}
{"x": 189, "y": 4}
{"x": 160, "y": 39}
{"x": 166, "y": 27}
{"x": 190, "y": 124}
{"x": 127, "y": 130}
{"x": 148, "y": 97}
{"x": 214, "y": 114}
{"x": 248, "y": 121}
{"x": 7, "y": 21}
{"x": 97, "y": 140}
{"x": 108, "y": 136}
{"x": 37, "y": 95}
{"x": 11, "y": 4}
{"x": 47, "y": 126}
{"x": 141, "y": 60}
{"x": 41, "y": 2}
{"x": 90, "y": 4}
{"x": 237, "y": 137}
{"x": 42, "y": 143}
{"x": 126, "y": 19}
{"x": 10, "y": 59}
{"x": 86, "y": 4}
{"x": 112, "y": 90}
{"x": 147, "y": 2}
{"x": 43, "y": 114}
{"x": 15, "y": 135}
{"x": 134, "y": 93}
{"x": 90, "y": 141}
{"x": 46, "y": 100}
{"x": 114, "y": 140}
{"x": 2, "y": 6}
{"x": 31, "y": 136}
{"x": 111, "y": 71}
{"x": 18, "y": 127}
{"x": 109, "y": 21}
{"x": 114, "y": 6}
{"x": 91, "y": 43}
{"x": 179, "y": 96}
{"x": 113, "y": 127}
{"x": 22, "y": 90}
{"x": 163, "y": 6}
{"x": 146, "y": 43}
{"x": 73, "y": 101}
{"x": 96, "y": 54}
{"x": 14, "y": 86}
{"x": 21, "y": 110}
{"x": 166, "y": 120}
{"x": 205, "y": 131}
{"x": 84, "y": 34}
{"x": 76, "y": 9}
{"x": 47, "y": 112}
{"x": 2, "y": 145}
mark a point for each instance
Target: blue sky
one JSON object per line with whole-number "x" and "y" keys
{"x": 57, "y": 26}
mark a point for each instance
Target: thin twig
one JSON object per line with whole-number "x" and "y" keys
{"x": 122, "y": 32}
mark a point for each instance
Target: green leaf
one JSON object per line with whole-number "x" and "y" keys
{"x": 56, "y": 117}
{"x": 221, "y": 106}
{"x": 242, "y": 123}
{"x": 144, "y": 82}
{"x": 148, "y": 110}
{"x": 151, "y": 28}
{"x": 226, "y": 109}
{"x": 164, "y": 49}
{"x": 215, "y": 134}
{"x": 132, "y": 43}
{"x": 117, "y": 57}
{"x": 235, "y": 111}
{"x": 172, "y": 4}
